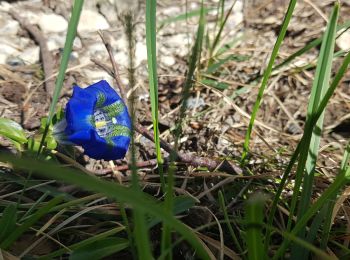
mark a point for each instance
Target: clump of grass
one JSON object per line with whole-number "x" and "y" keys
{"x": 124, "y": 228}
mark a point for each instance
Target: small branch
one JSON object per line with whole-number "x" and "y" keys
{"x": 103, "y": 66}
{"x": 114, "y": 64}
{"x": 126, "y": 167}
{"x": 46, "y": 57}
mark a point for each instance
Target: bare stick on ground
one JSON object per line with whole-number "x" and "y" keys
{"x": 46, "y": 57}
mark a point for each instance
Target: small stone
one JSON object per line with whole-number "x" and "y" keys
{"x": 97, "y": 75}
{"x": 140, "y": 53}
{"x": 167, "y": 60}
{"x": 343, "y": 41}
{"x": 8, "y": 26}
{"x": 97, "y": 48}
{"x": 57, "y": 41}
{"x": 30, "y": 55}
{"x": 8, "y": 50}
{"x": 5, "y": 7}
{"x": 52, "y": 44}
{"x": 3, "y": 58}
{"x": 91, "y": 21}
{"x": 52, "y": 23}
{"x": 171, "y": 10}
{"x": 195, "y": 102}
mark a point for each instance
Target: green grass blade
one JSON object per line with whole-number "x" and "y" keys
{"x": 35, "y": 205}
{"x": 71, "y": 33}
{"x": 182, "y": 17}
{"x": 153, "y": 77}
{"x": 342, "y": 179}
{"x": 100, "y": 249}
{"x": 29, "y": 222}
{"x": 83, "y": 243}
{"x": 228, "y": 223}
{"x": 254, "y": 224}
{"x": 311, "y": 122}
{"x": 8, "y": 221}
{"x": 140, "y": 234}
{"x": 221, "y": 27}
{"x": 309, "y": 152}
{"x": 266, "y": 77}
{"x": 326, "y": 228}
{"x": 308, "y": 47}
{"x": 112, "y": 190}
{"x": 193, "y": 61}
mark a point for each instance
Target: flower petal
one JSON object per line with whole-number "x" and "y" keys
{"x": 100, "y": 148}
{"x": 79, "y": 110}
{"x": 103, "y": 92}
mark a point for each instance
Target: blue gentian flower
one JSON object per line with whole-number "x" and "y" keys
{"x": 97, "y": 119}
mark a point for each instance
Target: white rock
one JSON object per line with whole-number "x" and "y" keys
{"x": 32, "y": 17}
{"x": 3, "y": 58}
{"x": 52, "y": 23}
{"x": 97, "y": 47}
{"x": 343, "y": 41}
{"x": 167, "y": 60}
{"x": 121, "y": 58}
{"x": 171, "y": 10}
{"x": 30, "y": 55}
{"x": 56, "y": 41}
{"x": 8, "y": 26}
{"x": 140, "y": 53}
{"x": 8, "y": 50}
{"x": 91, "y": 21}
{"x": 97, "y": 75}
{"x": 5, "y": 7}
{"x": 52, "y": 45}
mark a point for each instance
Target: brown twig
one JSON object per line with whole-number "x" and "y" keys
{"x": 46, "y": 57}
{"x": 114, "y": 64}
{"x": 187, "y": 158}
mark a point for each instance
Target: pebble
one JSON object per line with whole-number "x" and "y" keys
{"x": 195, "y": 103}
{"x": 5, "y": 7}
{"x": 140, "y": 53}
{"x": 167, "y": 60}
{"x": 56, "y": 41}
{"x": 91, "y": 21}
{"x": 52, "y": 23}
{"x": 8, "y": 50}
{"x": 343, "y": 41}
{"x": 8, "y": 26}
{"x": 30, "y": 55}
{"x": 97, "y": 75}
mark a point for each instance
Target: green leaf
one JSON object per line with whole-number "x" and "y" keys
{"x": 215, "y": 66}
{"x": 8, "y": 221}
{"x": 215, "y": 84}
{"x": 12, "y": 130}
{"x": 100, "y": 249}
